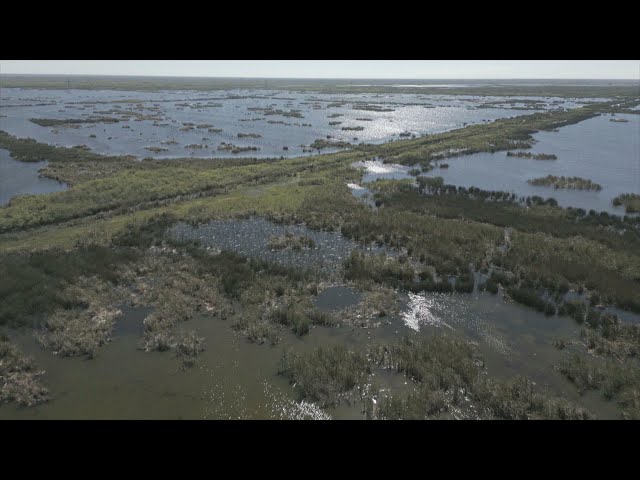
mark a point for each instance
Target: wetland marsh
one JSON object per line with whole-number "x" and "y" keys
{"x": 192, "y": 267}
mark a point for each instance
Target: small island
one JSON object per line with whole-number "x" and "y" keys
{"x": 156, "y": 149}
{"x": 321, "y": 143}
{"x": 572, "y": 183}
{"x": 630, "y": 201}
{"x": 230, "y": 147}
{"x": 289, "y": 240}
{"x": 535, "y": 156}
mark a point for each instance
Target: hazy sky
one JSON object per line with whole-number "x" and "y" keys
{"x": 427, "y": 69}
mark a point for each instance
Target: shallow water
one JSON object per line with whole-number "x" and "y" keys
{"x": 22, "y": 178}
{"x": 336, "y": 298}
{"x": 605, "y": 152}
{"x": 513, "y": 339}
{"x": 251, "y": 237}
{"x": 234, "y": 378}
{"x": 167, "y": 111}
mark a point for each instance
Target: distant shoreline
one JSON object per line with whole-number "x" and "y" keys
{"x": 496, "y": 87}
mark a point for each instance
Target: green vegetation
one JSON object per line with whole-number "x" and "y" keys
{"x": 618, "y": 381}
{"x": 531, "y": 298}
{"x": 573, "y": 183}
{"x": 328, "y": 375}
{"x": 365, "y": 269}
{"x": 446, "y": 376}
{"x": 549, "y": 247}
{"x": 33, "y": 285}
{"x": 631, "y": 202}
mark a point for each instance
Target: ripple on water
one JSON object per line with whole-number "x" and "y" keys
{"x": 284, "y": 408}
{"x": 455, "y": 312}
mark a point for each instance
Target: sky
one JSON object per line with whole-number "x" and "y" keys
{"x": 402, "y": 69}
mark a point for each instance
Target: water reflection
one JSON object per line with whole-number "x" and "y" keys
{"x": 177, "y": 123}
{"x": 605, "y": 152}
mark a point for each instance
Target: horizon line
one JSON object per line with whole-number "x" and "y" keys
{"x": 311, "y": 78}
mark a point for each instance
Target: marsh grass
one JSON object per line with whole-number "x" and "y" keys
{"x": 34, "y": 285}
{"x": 328, "y": 376}
{"x": 531, "y": 298}
{"x": 257, "y": 330}
{"x": 20, "y": 381}
{"x": 78, "y": 332}
{"x": 447, "y": 378}
{"x": 365, "y": 269}
{"x": 188, "y": 346}
{"x": 615, "y": 380}
{"x": 293, "y": 317}
{"x": 377, "y": 302}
